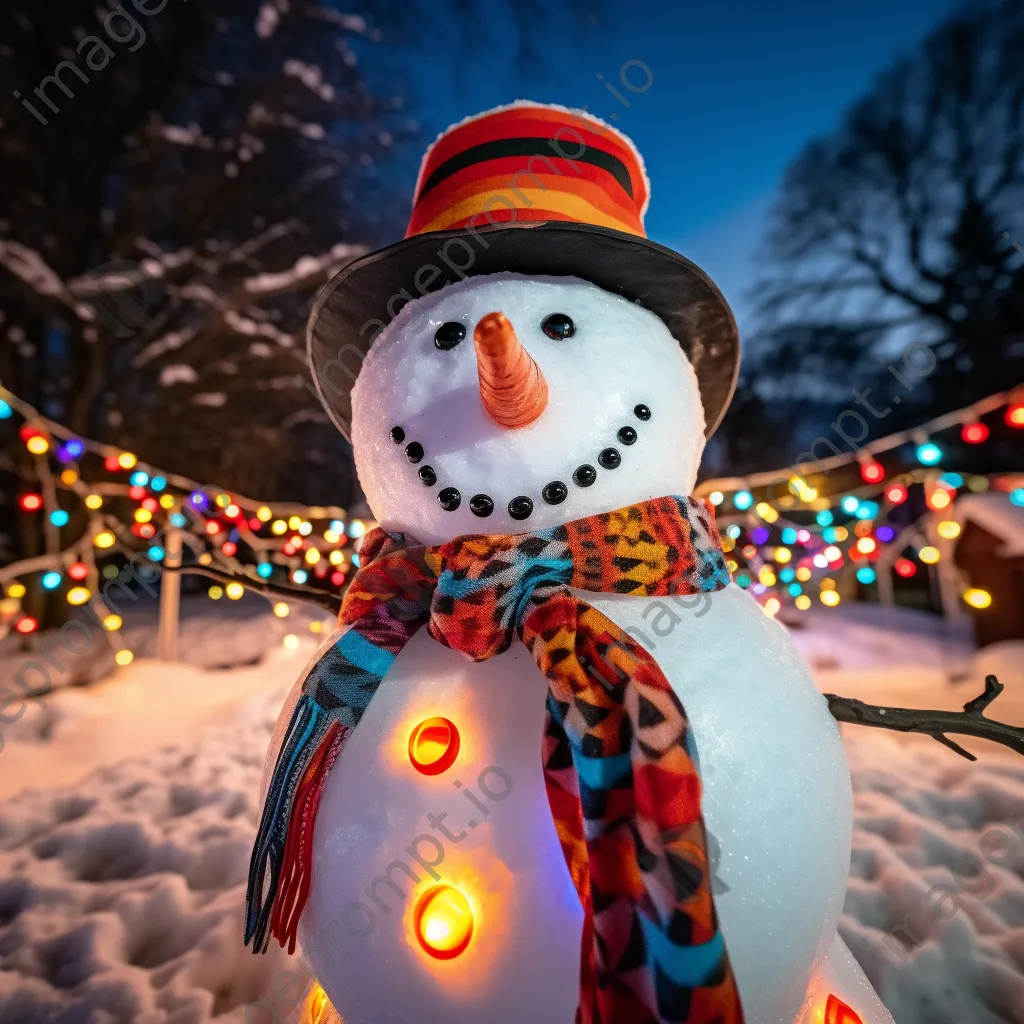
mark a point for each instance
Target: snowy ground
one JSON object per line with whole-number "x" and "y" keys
{"x": 128, "y": 807}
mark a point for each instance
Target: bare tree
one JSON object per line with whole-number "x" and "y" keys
{"x": 907, "y": 224}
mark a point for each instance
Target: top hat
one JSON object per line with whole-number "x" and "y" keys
{"x": 534, "y": 189}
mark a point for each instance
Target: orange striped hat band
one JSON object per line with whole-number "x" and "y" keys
{"x": 530, "y": 162}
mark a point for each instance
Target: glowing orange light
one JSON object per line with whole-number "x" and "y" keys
{"x": 837, "y": 1012}
{"x": 434, "y": 746}
{"x": 212, "y": 527}
{"x": 866, "y": 545}
{"x": 939, "y": 498}
{"x": 27, "y": 625}
{"x": 443, "y": 922}
{"x": 1015, "y": 415}
{"x": 317, "y": 1008}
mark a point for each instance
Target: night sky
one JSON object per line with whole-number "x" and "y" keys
{"x": 738, "y": 89}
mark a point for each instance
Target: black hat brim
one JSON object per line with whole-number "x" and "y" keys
{"x": 367, "y": 294}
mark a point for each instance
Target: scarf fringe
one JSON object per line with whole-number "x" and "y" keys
{"x": 279, "y": 869}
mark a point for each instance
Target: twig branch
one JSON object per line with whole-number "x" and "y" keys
{"x": 969, "y": 722}
{"x": 323, "y": 600}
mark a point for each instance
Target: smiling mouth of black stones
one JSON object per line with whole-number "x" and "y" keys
{"x": 521, "y": 507}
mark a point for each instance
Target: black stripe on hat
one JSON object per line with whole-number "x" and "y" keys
{"x": 499, "y": 148}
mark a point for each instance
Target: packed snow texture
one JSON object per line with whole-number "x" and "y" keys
{"x": 620, "y": 356}
{"x": 122, "y": 880}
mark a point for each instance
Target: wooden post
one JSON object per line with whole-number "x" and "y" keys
{"x": 170, "y": 598}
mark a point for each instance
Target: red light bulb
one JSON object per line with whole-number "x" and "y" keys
{"x": 974, "y": 433}
{"x": 872, "y": 472}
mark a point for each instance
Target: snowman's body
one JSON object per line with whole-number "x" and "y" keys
{"x": 777, "y": 800}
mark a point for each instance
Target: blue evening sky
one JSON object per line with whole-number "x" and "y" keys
{"x": 739, "y": 88}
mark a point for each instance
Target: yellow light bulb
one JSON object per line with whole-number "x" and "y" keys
{"x": 79, "y": 595}
{"x": 783, "y": 555}
{"x": 216, "y": 592}
{"x": 803, "y": 602}
{"x": 37, "y": 445}
{"x": 312, "y": 556}
{"x": 281, "y": 609}
{"x": 124, "y": 657}
{"x": 866, "y": 545}
{"x": 290, "y": 641}
{"x": 167, "y": 501}
{"x": 143, "y": 515}
{"x": 126, "y": 460}
{"x": 234, "y": 591}
{"x": 294, "y": 522}
{"x": 278, "y": 527}
{"x": 928, "y": 555}
{"x": 336, "y": 557}
{"x": 443, "y": 922}
{"x": 803, "y": 574}
{"x": 829, "y": 598}
{"x": 948, "y": 529}
{"x": 104, "y": 539}
{"x": 68, "y": 477}
{"x": 331, "y": 536}
{"x": 263, "y": 514}
{"x": 93, "y": 501}
{"x": 978, "y": 598}
{"x": 16, "y": 590}
{"x": 112, "y": 622}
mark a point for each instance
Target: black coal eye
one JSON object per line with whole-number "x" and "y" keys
{"x": 558, "y": 326}
{"x": 449, "y": 335}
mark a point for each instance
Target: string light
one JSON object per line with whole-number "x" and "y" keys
{"x": 26, "y": 624}
{"x": 829, "y": 598}
{"x": 59, "y": 517}
{"x": 716, "y": 497}
{"x": 235, "y": 591}
{"x": 872, "y": 472}
{"x": 38, "y": 445}
{"x": 126, "y": 460}
{"x": 124, "y": 657}
{"x": 51, "y": 580}
{"x": 743, "y": 500}
{"x": 974, "y": 433}
{"x": 216, "y": 592}
{"x": 905, "y": 567}
{"x": 866, "y": 575}
{"x": 928, "y": 555}
{"x": 112, "y": 622}
{"x": 104, "y": 539}
{"x": 281, "y": 609}
{"x": 290, "y": 641}
{"x": 948, "y": 529}
{"x": 31, "y": 502}
{"x": 93, "y": 501}
{"x": 79, "y": 595}
{"x": 803, "y": 602}
{"x": 896, "y": 494}
{"x": 78, "y": 570}
{"x": 978, "y": 598}
{"x": 929, "y": 453}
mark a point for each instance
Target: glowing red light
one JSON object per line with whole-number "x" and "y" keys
{"x": 229, "y": 547}
{"x": 872, "y": 472}
{"x": 136, "y": 493}
{"x": 232, "y": 511}
{"x": 897, "y": 494}
{"x": 254, "y": 523}
{"x": 837, "y": 1012}
{"x": 27, "y": 432}
{"x": 147, "y": 530}
{"x": 31, "y": 502}
{"x": 295, "y": 540}
{"x": 974, "y": 433}
{"x": 111, "y": 463}
{"x": 905, "y": 568}
{"x": 1015, "y": 415}
{"x": 151, "y": 503}
{"x": 26, "y": 624}
{"x": 337, "y": 578}
{"x": 78, "y": 571}
{"x": 212, "y": 527}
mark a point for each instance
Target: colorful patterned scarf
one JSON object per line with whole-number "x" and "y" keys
{"x": 619, "y": 758}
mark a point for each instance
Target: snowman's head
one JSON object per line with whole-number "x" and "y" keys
{"x": 507, "y": 403}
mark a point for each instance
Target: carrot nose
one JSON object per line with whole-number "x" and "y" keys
{"x": 512, "y": 387}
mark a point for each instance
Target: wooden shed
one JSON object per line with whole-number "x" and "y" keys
{"x": 990, "y": 555}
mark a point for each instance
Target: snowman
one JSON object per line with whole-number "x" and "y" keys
{"x": 528, "y": 383}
